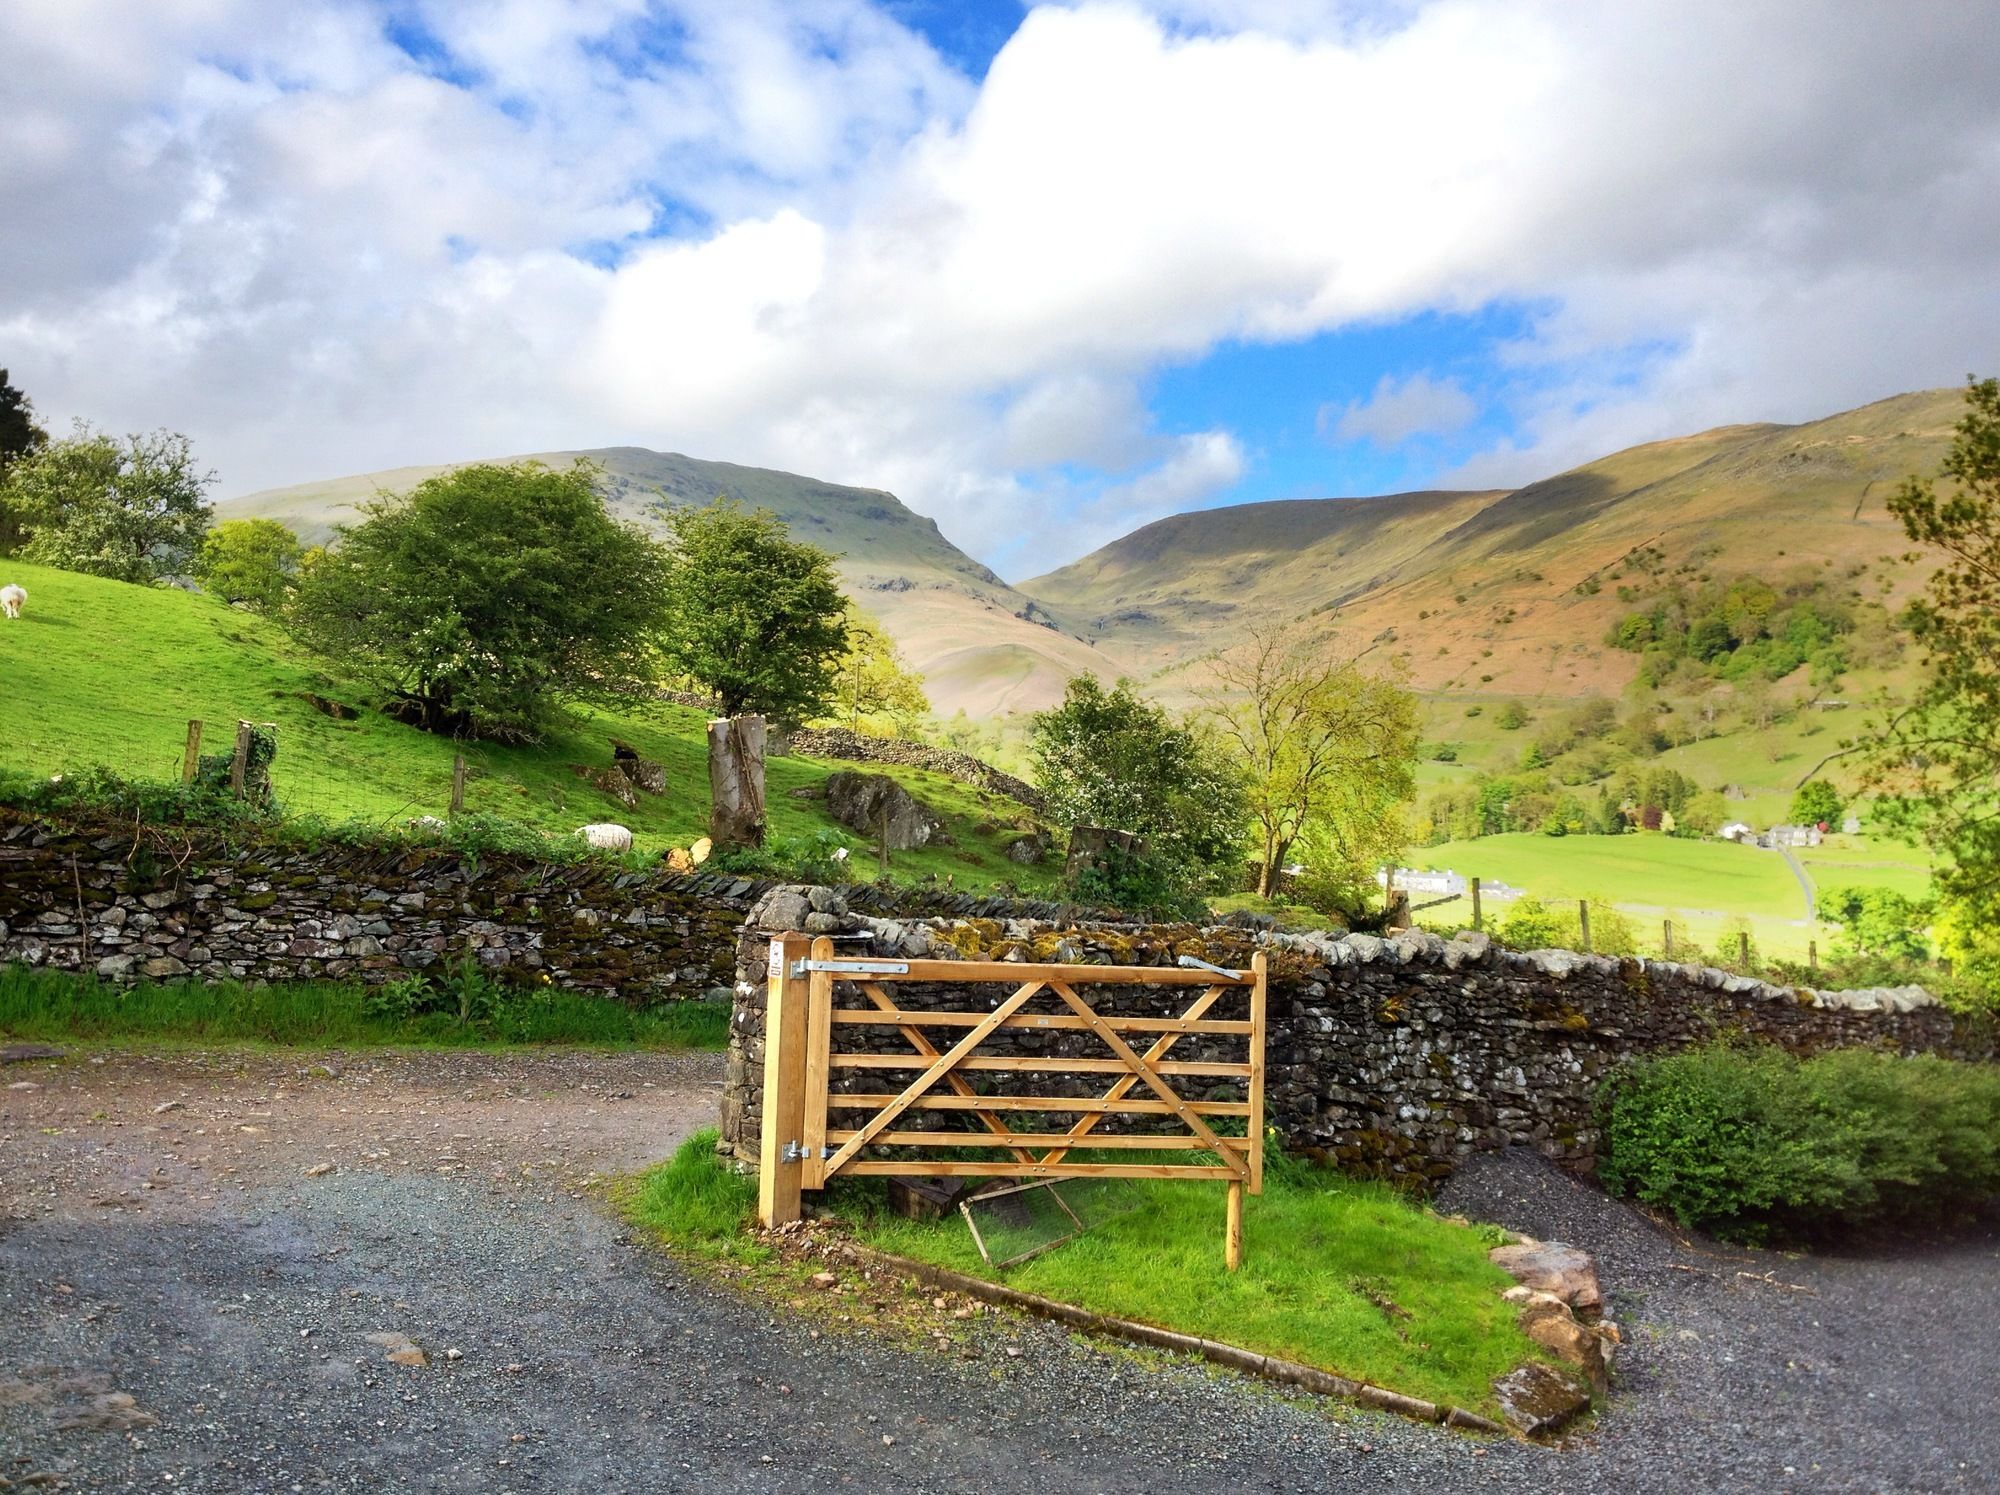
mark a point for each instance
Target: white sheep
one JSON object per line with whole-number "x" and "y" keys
{"x": 427, "y": 825}
{"x": 606, "y": 836}
{"x": 12, "y": 599}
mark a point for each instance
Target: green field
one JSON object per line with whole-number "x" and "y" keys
{"x": 101, "y": 673}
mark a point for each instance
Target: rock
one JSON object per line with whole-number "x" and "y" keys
{"x": 1538, "y": 1399}
{"x": 1027, "y": 850}
{"x": 1546, "y": 1320}
{"x": 165, "y": 1106}
{"x": 781, "y": 909}
{"x": 24, "y": 1085}
{"x": 878, "y": 807}
{"x": 319, "y": 1170}
{"x": 822, "y": 924}
{"x": 1551, "y": 1267}
{"x": 164, "y": 965}
{"x": 1476, "y": 943}
{"x": 18, "y": 1053}
{"x": 402, "y": 1350}
{"x": 825, "y": 901}
{"x": 114, "y": 966}
{"x": 824, "y": 1280}
{"x": 107, "y": 1412}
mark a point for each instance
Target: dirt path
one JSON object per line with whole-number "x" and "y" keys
{"x": 196, "y": 1300}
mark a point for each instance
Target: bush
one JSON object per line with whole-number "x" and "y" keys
{"x": 1753, "y": 1144}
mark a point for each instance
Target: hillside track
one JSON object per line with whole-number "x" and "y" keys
{"x": 195, "y": 1249}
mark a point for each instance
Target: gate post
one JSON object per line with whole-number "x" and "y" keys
{"x": 779, "y": 1171}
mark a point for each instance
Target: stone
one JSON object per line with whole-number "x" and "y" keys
{"x": 19, "y": 1053}
{"x": 1539, "y": 1399}
{"x": 1546, "y": 1320}
{"x": 112, "y": 967}
{"x": 781, "y": 909}
{"x": 822, "y": 923}
{"x": 106, "y": 1412}
{"x": 881, "y": 809}
{"x": 1026, "y": 851}
{"x": 1565, "y": 1272}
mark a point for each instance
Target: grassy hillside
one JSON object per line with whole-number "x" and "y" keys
{"x": 102, "y": 673}
{"x": 1514, "y": 593}
{"x": 967, "y": 631}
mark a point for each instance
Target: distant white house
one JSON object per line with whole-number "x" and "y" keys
{"x": 1439, "y": 884}
{"x": 1790, "y": 835}
{"x": 1851, "y": 826}
{"x": 1737, "y": 831}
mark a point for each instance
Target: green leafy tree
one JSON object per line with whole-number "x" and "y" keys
{"x": 1107, "y": 758}
{"x": 1936, "y": 763}
{"x": 1325, "y": 749}
{"x": 1879, "y": 922}
{"x": 252, "y": 561}
{"x": 19, "y": 434}
{"x": 1816, "y": 802}
{"x": 131, "y": 510}
{"x": 877, "y": 687}
{"x": 486, "y": 597}
{"x": 753, "y": 616}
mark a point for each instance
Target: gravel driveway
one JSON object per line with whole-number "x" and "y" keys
{"x": 196, "y": 1301}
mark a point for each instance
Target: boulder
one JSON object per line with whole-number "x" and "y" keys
{"x": 1539, "y": 1399}
{"x": 1027, "y": 850}
{"x": 1546, "y": 1320}
{"x": 877, "y": 806}
{"x": 1551, "y": 1267}
{"x": 1093, "y": 846}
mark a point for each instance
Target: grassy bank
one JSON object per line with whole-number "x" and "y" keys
{"x": 52, "y": 1006}
{"x": 1348, "y": 1276}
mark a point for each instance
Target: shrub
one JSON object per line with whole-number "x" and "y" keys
{"x": 1753, "y": 1144}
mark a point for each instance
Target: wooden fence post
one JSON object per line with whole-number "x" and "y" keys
{"x": 1477, "y": 922}
{"x": 1743, "y": 949}
{"x": 239, "y": 762}
{"x": 1583, "y": 922}
{"x": 779, "y": 1174}
{"x": 1812, "y": 955}
{"x": 191, "y": 755}
{"x": 458, "y": 784}
{"x": 1667, "y": 939}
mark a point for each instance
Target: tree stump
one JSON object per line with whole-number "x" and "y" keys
{"x": 736, "y": 781}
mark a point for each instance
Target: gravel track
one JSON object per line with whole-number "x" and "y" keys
{"x": 233, "y": 1299}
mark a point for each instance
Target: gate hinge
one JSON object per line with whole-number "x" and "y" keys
{"x": 852, "y": 967}
{"x": 792, "y": 1153}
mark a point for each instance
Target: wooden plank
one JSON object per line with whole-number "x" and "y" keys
{"x": 915, "y": 1038}
{"x": 1232, "y": 1230}
{"x": 1116, "y": 1141}
{"x": 843, "y": 1101}
{"x": 929, "y": 1077}
{"x": 879, "y": 1168}
{"x": 1119, "y": 1091}
{"x": 778, "y": 1181}
{"x": 1143, "y": 1070}
{"x": 1260, "y": 967}
{"x": 819, "y": 1039}
{"x": 1013, "y": 1063}
{"x": 1065, "y": 1021}
{"x": 959, "y": 972}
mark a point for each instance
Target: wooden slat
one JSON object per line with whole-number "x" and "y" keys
{"x": 819, "y": 1041}
{"x": 929, "y": 1077}
{"x": 875, "y": 1168}
{"x": 1218, "y": 1069}
{"x": 1259, "y": 999}
{"x": 962, "y": 971}
{"x": 840, "y": 1101}
{"x": 1143, "y": 1070}
{"x": 1124, "y": 1087}
{"x": 778, "y": 1181}
{"x": 1122, "y": 1141}
{"x": 862, "y": 1016}
{"x": 915, "y": 1038}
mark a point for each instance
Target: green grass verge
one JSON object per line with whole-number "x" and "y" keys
{"x": 1345, "y": 1275}
{"x": 51, "y": 1006}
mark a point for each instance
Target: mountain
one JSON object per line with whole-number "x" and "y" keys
{"x": 981, "y": 645}
{"x": 1512, "y": 592}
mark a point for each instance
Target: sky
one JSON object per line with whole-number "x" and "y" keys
{"x": 1046, "y": 272}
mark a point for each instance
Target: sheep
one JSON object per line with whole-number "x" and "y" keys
{"x": 606, "y": 836}
{"x": 12, "y": 598}
{"x": 426, "y": 825}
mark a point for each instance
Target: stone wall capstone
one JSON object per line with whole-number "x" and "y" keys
{"x": 1395, "y": 1057}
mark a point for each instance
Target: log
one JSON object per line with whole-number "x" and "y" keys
{"x": 736, "y": 781}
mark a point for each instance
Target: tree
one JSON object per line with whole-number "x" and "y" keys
{"x": 1936, "y": 764}
{"x": 874, "y": 683}
{"x": 19, "y": 434}
{"x": 1324, "y": 748}
{"x": 486, "y": 597}
{"x": 1878, "y": 921}
{"x": 131, "y": 511}
{"x": 1107, "y": 758}
{"x": 1816, "y": 803}
{"x": 752, "y": 615}
{"x": 252, "y": 561}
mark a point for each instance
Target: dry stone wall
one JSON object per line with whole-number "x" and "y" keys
{"x": 857, "y": 747}
{"x": 1396, "y": 1057}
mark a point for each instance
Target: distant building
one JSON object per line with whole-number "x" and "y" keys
{"x": 1737, "y": 831}
{"x": 1436, "y": 884}
{"x": 1790, "y": 835}
{"x": 1851, "y": 826}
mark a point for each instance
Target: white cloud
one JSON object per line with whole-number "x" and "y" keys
{"x": 269, "y": 226}
{"x": 1399, "y": 410}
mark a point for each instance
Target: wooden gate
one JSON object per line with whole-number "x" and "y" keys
{"x": 814, "y": 1133}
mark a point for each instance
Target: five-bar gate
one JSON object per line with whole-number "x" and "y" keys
{"x": 814, "y": 1132}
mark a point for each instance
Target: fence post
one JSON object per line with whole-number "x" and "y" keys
{"x": 1743, "y": 949}
{"x": 1477, "y": 923}
{"x": 191, "y": 755}
{"x": 779, "y": 1175}
{"x": 1812, "y": 955}
{"x": 1232, "y": 1243}
{"x": 1667, "y": 939}
{"x": 1583, "y": 922}
{"x": 458, "y": 783}
{"x": 239, "y": 761}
